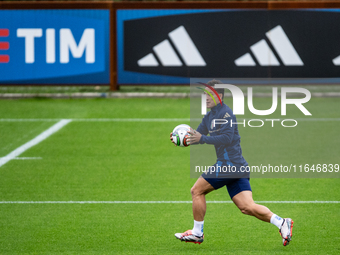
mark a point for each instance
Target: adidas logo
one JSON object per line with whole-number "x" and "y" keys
{"x": 265, "y": 56}
{"x": 336, "y": 61}
{"x": 167, "y": 55}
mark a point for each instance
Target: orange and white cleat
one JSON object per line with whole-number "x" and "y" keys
{"x": 187, "y": 236}
{"x": 286, "y": 231}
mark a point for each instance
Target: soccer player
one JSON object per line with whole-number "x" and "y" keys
{"x": 226, "y": 139}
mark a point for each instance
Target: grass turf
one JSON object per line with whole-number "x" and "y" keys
{"x": 133, "y": 161}
{"x": 148, "y": 229}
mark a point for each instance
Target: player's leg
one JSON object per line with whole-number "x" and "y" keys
{"x": 244, "y": 201}
{"x": 198, "y": 192}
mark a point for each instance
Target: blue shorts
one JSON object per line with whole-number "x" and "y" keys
{"x": 234, "y": 186}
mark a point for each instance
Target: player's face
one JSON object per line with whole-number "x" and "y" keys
{"x": 210, "y": 101}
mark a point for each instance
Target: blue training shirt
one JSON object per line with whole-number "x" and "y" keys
{"x": 225, "y": 137}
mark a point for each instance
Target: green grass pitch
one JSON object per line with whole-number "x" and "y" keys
{"x": 102, "y": 160}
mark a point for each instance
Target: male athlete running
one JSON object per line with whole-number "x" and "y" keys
{"x": 226, "y": 139}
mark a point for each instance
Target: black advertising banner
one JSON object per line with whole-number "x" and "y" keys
{"x": 240, "y": 44}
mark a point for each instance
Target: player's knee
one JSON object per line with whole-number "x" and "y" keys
{"x": 195, "y": 191}
{"x": 246, "y": 209}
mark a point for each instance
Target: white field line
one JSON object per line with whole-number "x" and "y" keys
{"x": 26, "y": 158}
{"x": 162, "y": 202}
{"x": 34, "y": 141}
{"x": 317, "y": 119}
{"x": 146, "y": 119}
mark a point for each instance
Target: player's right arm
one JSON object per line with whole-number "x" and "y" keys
{"x": 224, "y": 137}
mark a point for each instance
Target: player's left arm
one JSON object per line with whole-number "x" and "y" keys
{"x": 202, "y": 127}
{"x": 194, "y": 137}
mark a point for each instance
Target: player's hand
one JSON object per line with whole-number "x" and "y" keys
{"x": 172, "y": 140}
{"x": 194, "y": 137}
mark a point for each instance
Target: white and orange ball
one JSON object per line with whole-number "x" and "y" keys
{"x": 180, "y": 134}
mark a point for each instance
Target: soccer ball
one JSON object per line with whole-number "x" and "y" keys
{"x": 180, "y": 135}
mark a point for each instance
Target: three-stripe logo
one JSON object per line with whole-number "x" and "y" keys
{"x": 4, "y": 58}
{"x": 336, "y": 61}
{"x": 265, "y": 56}
{"x": 167, "y": 55}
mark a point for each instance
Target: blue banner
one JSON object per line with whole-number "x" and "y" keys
{"x": 54, "y": 47}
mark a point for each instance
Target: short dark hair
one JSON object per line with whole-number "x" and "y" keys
{"x": 212, "y": 84}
